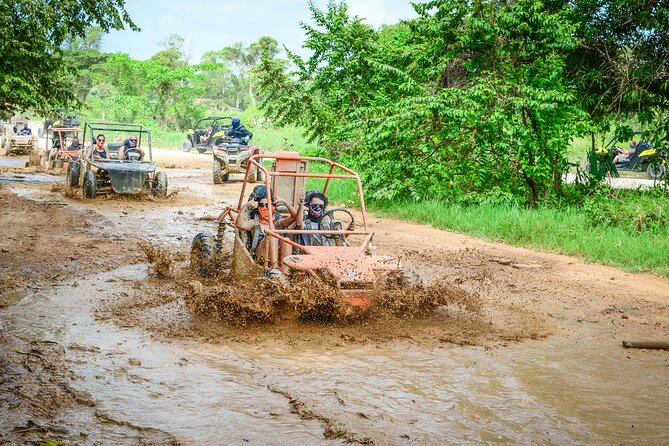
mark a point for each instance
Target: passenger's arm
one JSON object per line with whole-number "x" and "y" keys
{"x": 245, "y": 225}
{"x": 300, "y": 213}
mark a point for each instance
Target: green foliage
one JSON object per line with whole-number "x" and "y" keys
{"x": 632, "y": 211}
{"x": 462, "y": 100}
{"x": 31, "y": 34}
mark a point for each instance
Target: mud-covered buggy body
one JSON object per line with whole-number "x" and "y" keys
{"x": 111, "y": 174}
{"x": 14, "y": 143}
{"x": 347, "y": 262}
{"x": 231, "y": 155}
{"x": 207, "y": 132}
{"x": 61, "y": 152}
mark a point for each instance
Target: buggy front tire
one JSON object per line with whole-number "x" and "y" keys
{"x": 160, "y": 185}
{"x": 656, "y": 171}
{"x": 203, "y": 254}
{"x": 90, "y": 187}
{"x": 186, "y": 145}
{"x": 72, "y": 177}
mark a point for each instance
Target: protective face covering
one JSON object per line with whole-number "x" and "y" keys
{"x": 263, "y": 214}
{"x": 316, "y": 210}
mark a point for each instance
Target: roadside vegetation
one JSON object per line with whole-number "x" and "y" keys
{"x": 467, "y": 117}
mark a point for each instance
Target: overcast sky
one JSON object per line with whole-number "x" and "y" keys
{"x": 213, "y": 24}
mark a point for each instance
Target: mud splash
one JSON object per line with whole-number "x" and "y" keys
{"x": 184, "y": 304}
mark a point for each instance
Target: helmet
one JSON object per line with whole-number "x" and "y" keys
{"x": 235, "y": 122}
{"x": 259, "y": 192}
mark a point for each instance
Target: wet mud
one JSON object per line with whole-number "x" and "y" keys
{"x": 108, "y": 337}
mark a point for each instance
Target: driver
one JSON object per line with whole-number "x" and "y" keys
{"x": 315, "y": 219}
{"x": 237, "y": 130}
{"x": 259, "y": 223}
{"x": 25, "y": 130}
{"x": 130, "y": 150}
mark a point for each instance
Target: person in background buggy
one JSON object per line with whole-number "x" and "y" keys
{"x": 130, "y": 151}
{"x": 25, "y": 130}
{"x": 237, "y": 130}
{"x": 623, "y": 155}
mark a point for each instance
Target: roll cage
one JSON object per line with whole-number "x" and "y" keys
{"x": 92, "y": 129}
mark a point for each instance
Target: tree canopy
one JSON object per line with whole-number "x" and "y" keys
{"x": 31, "y": 35}
{"x": 471, "y": 97}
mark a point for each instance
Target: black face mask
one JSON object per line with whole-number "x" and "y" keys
{"x": 316, "y": 211}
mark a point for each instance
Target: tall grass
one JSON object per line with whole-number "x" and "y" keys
{"x": 566, "y": 230}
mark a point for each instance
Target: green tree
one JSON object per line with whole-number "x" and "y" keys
{"x": 173, "y": 55}
{"x": 469, "y": 97}
{"x": 82, "y": 54}
{"x": 243, "y": 59}
{"x": 31, "y": 35}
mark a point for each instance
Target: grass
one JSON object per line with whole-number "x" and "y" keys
{"x": 568, "y": 230}
{"x": 563, "y": 231}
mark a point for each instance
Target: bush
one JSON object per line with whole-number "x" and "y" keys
{"x": 633, "y": 211}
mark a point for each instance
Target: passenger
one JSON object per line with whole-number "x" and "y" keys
{"x": 130, "y": 150}
{"x": 99, "y": 149}
{"x": 75, "y": 144}
{"x": 56, "y": 144}
{"x": 623, "y": 155}
{"x": 205, "y": 135}
{"x": 314, "y": 219}
{"x": 25, "y": 130}
{"x": 259, "y": 223}
{"x": 237, "y": 130}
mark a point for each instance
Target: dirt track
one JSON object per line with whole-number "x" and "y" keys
{"x": 98, "y": 351}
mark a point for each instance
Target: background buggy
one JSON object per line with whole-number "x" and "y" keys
{"x": 113, "y": 174}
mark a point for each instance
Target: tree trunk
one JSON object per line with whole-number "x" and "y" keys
{"x": 237, "y": 100}
{"x": 252, "y": 93}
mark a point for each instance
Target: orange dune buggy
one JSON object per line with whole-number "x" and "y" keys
{"x": 60, "y": 151}
{"x": 347, "y": 262}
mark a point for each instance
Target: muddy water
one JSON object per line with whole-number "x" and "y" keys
{"x": 558, "y": 390}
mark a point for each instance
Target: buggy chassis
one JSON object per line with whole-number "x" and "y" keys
{"x": 354, "y": 270}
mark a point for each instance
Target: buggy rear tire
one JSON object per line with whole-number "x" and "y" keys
{"x": 216, "y": 172}
{"x": 656, "y": 171}
{"x": 90, "y": 187}
{"x": 201, "y": 149}
{"x": 72, "y": 177}
{"x": 203, "y": 254}
{"x": 8, "y": 147}
{"x": 186, "y": 145}
{"x": 160, "y": 185}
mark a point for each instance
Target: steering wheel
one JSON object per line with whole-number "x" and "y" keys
{"x": 133, "y": 154}
{"x": 330, "y": 214}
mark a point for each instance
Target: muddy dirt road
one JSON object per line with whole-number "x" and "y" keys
{"x": 95, "y": 349}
